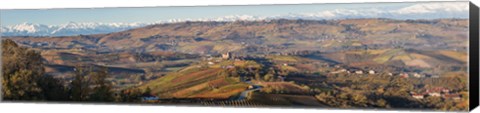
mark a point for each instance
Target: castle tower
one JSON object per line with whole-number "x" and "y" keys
{"x": 227, "y": 55}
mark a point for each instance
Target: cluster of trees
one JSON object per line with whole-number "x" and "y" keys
{"x": 348, "y": 100}
{"x": 90, "y": 85}
{"x": 361, "y": 91}
{"x": 368, "y": 91}
{"x": 24, "y": 78}
{"x": 378, "y": 91}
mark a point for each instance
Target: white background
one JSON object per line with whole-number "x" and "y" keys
{"x": 95, "y": 108}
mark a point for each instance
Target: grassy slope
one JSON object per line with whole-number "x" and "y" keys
{"x": 417, "y": 58}
{"x": 198, "y": 82}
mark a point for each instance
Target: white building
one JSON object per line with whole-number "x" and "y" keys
{"x": 418, "y": 96}
{"x": 211, "y": 63}
{"x": 359, "y": 72}
{"x": 434, "y": 94}
{"x": 417, "y": 75}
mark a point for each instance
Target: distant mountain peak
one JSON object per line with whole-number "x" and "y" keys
{"x": 418, "y": 11}
{"x": 67, "y": 29}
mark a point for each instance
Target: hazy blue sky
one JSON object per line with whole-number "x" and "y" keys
{"x": 152, "y": 14}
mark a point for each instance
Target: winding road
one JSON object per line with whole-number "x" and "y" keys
{"x": 244, "y": 94}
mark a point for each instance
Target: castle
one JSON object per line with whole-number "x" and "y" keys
{"x": 227, "y": 55}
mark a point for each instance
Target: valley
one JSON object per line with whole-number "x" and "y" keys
{"x": 349, "y": 63}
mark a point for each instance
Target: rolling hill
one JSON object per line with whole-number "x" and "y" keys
{"x": 201, "y": 81}
{"x": 270, "y": 36}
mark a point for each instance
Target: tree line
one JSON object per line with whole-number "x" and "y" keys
{"x": 24, "y": 78}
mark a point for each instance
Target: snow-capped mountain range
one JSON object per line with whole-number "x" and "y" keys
{"x": 71, "y": 28}
{"x": 417, "y": 11}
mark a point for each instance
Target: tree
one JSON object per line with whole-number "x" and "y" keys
{"x": 53, "y": 89}
{"x": 258, "y": 76}
{"x": 23, "y": 75}
{"x": 382, "y": 103}
{"x": 102, "y": 88}
{"x": 268, "y": 77}
{"x": 79, "y": 90}
{"x": 21, "y": 86}
{"x": 147, "y": 91}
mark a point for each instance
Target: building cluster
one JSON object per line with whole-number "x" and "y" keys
{"x": 354, "y": 71}
{"x": 341, "y": 69}
{"x": 436, "y": 92}
{"x": 225, "y": 56}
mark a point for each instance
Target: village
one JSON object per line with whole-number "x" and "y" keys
{"x": 354, "y": 71}
{"x": 442, "y": 92}
{"x": 337, "y": 69}
{"x": 436, "y": 92}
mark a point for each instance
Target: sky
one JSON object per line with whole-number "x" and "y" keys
{"x": 421, "y": 10}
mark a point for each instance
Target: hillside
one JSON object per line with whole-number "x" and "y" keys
{"x": 202, "y": 81}
{"x": 271, "y": 36}
{"x": 377, "y": 63}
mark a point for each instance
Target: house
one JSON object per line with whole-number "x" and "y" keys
{"x": 404, "y": 75}
{"x": 359, "y": 72}
{"x": 417, "y": 75}
{"x": 434, "y": 94}
{"x": 338, "y": 66}
{"x": 445, "y": 91}
{"x": 211, "y": 63}
{"x": 390, "y": 74}
{"x": 418, "y": 96}
{"x": 254, "y": 87}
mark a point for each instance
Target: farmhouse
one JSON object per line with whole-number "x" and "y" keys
{"x": 359, "y": 72}
{"x": 211, "y": 63}
{"x": 445, "y": 91}
{"x": 418, "y": 96}
{"x": 434, "y": 94}
{"x": 417, "y": 75}
{"x": 404, "y": 75}
{"x": 339, "y": 71}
